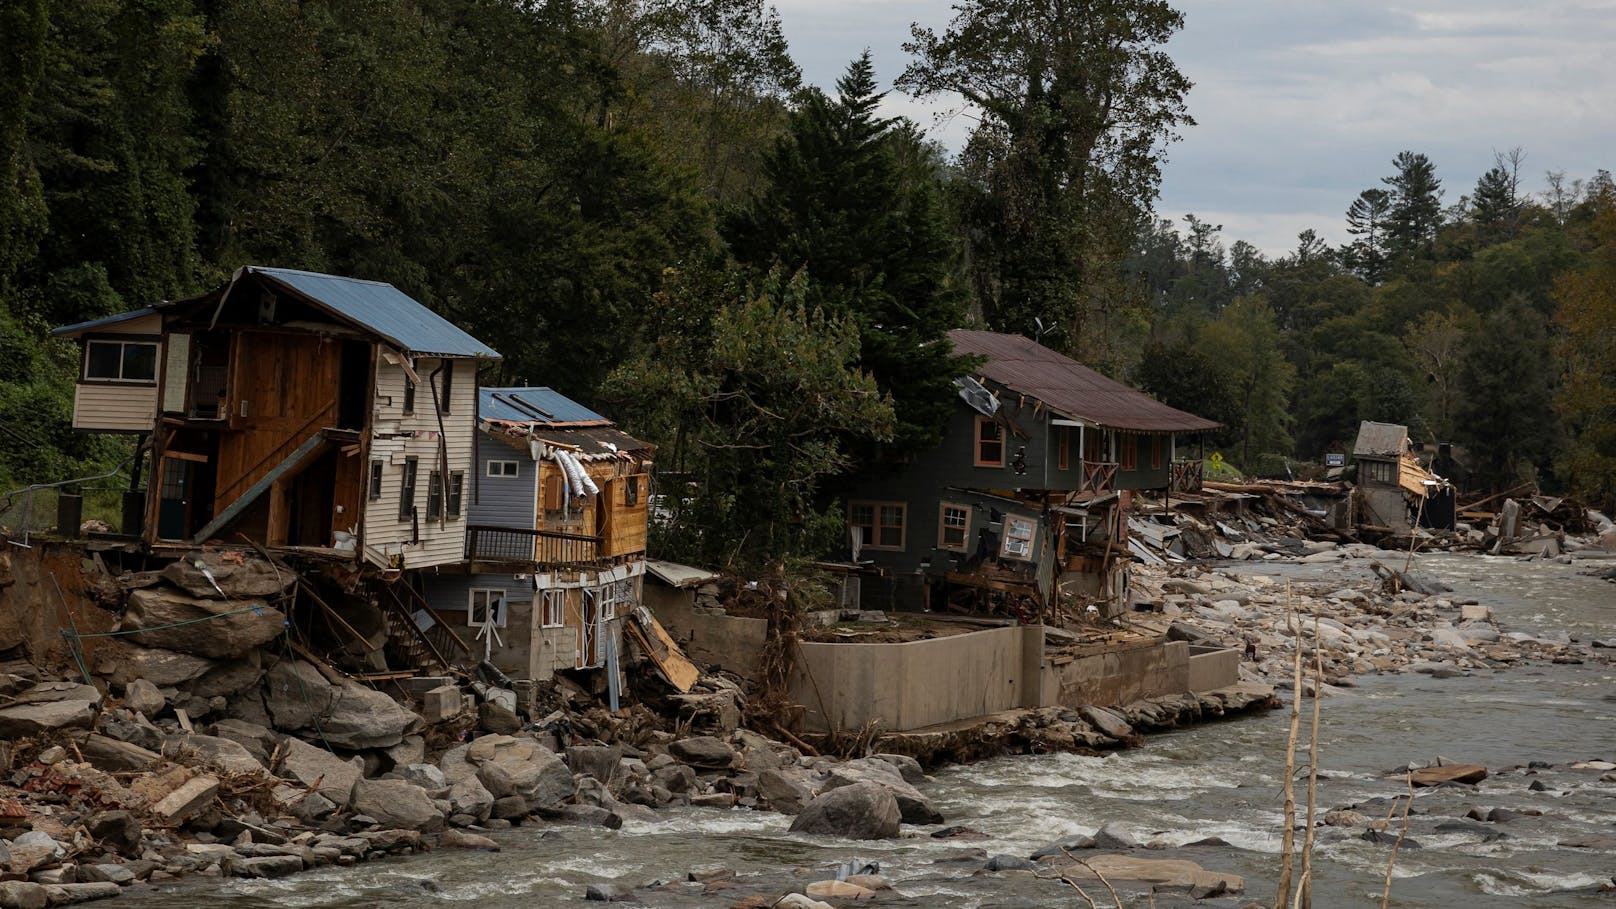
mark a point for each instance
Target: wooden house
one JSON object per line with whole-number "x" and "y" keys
{"x": 555, "y": 550}
{"x": 1023, "y": 504}
{"x": 1394, "y": 490}
{"x": 291, "y": 409}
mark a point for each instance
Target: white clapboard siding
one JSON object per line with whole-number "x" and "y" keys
{"x": 385, "y": 536}
{"x": 114, "y": 408}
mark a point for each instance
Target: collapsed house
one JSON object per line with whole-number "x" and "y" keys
{"x": 1394, "y": 490}
{"x": 555, "y": 548}
{"x": 1021, "y": 509}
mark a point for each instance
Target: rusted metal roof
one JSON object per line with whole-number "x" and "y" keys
{"x": 1384, "y": 440}
{"x": 1069, "y": 387}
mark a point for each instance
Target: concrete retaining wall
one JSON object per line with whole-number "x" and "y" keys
{"x": 1212, "y": 668}
{"x": 1119, "y": 676}
{"x": 919, "y": 683}
{"x": 722, "y": 641}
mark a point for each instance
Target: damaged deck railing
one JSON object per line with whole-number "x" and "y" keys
{"x": 1185, "y": 475}
{"x": 534, "y": 547}
{"x": 1099, "y": 476}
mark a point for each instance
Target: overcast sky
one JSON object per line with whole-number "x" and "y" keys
{"x": 1301, "y": 104}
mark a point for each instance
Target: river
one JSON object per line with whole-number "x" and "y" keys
{"x": 1216, "y": 780}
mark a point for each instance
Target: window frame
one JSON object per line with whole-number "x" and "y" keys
{"x": 406, "y": 489}
{"x": 409, "y": 396}
{"x": 1128, "y": 452}
{"x": 457, "y": 492}
{"x": 943, "y": 508}
{"x": 378, "y": 469}
{"x": 501, "y": 605}
{"x": 552, "y": 600}
{"x": 977, "y": 442}
{"x": 448, "y": 386}
{"x": 123, "y": 344}
{"x": 515, "y": 466}
{"x": 1006, "y": 538}
{"x": 631, "y": 490}
{"x": 876, "y": 525}
{"x": 1155, "y": 452}
{"x": 1064, "y": 459}
{"x": 434, "y": 495}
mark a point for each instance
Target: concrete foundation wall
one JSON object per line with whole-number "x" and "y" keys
{"x": 919, "y": 683}
{"x": 1213, "y": 668}
{"x": 1120, "y": 676}
{"x": 722, "y": 641}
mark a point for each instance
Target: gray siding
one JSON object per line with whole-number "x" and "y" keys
{"x": 503, "y": 501}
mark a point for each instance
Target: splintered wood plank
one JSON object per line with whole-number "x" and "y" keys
{"x": 669, "y": 660}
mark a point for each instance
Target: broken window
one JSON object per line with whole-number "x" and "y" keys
{"x": 376, "y": 469}
{"x": 954, "y": 528}
{"x": 120, "y": 361}
{"x": 881, "y": 523}
{"x": 434, "y": 495}
{"x": 448, "y": 386}
{"x": 486, "y": 604}
{"x": 406, "y": 492}
{"x": 1018, "y": 536}
{"x": 409, "y": 396}
{"x": 553, "y": 608}
{"x": 631, "y": 491}
{"x": 457, "y": 488}
{"x": 989, "y": 443}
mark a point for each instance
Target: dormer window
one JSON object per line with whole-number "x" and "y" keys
{"x": 133, "y": 362}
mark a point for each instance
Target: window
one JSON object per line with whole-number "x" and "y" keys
{"x": 552, "y": 608}
{"x": 1065, "y": 461}
{"x": 503, "y": 468}
{"x": 406, "y": 492}
{"x": 376, "y": 468}
{"x": 954, "y": 528}
{"x": 1018, "y": 535}
{"x": 457, "y": 488}
{"x": 486, "y": 604}
{"x": 631, "y": 491}
{"x": 448, "y": 386}
{"x": 1155, "y": 452}
{"x": 434, "y": 495}
{"x": 989, "y": 443}
{"x": 1094, "y": 446}
{"x": 409, "y": 396}
{"x": 1130, "y": 452}
{"x": 120, "y": 361}
{"x": 881, "y": 523}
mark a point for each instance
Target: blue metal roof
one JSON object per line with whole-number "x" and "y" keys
{"x": 103, "y": 322}
{"x": 383, "y": 309}
{"x": 533, "y": 405}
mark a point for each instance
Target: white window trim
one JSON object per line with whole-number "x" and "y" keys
{"x": 552, "y": 599}
{"x": 157, "y": 367}
{"x": 942, "y": 527}
{"x": 1008, "y": 543}
{"x": 502, "y": 606}
{"x": 515, "y": 469}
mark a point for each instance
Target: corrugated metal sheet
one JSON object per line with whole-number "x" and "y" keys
{"x": 535, "y": 405}
{"x": 591, "y": 443}
{"x": 383, "y": 309}
{"x": 103, "y": 322}
{"x": 1069, "y": 387}
{"x": 1380, "y": 439}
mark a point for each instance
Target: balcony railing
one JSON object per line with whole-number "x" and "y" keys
{"x": 539, "y": 548}
{"x": 1099, "y": 476}
{"x": 1185, "y": 475}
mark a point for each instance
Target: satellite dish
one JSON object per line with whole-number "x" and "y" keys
{"x": 981, "y": 400}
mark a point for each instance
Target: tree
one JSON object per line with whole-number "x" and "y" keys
{"x": 23, "y": 30}
{"x": 1245, "y": 342}
{"x": 749, "y": 406}
{"x": 1366, "y": 220}
{"x": 1416, "y": 206}
{"x": 853, "y": 200}
{"x": 1587, "y": 400}
{"x": 1435, "y": 344}
{"x": 1506, "y": 415}
{"x": 1076, "y": 102}
{"x": 1495, "y": 206}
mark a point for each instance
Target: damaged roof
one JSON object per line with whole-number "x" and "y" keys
{"x": 589, "y": 443}
{"x": 539, "y": 405}
{"x": 1386, "y": 440}
{"x": 1067, "y": 386}
{"x": 516, "y": 416}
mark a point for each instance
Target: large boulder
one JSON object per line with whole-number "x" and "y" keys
{"x": 47, "y": 707}
{"x": 783, "y": 791}
{"x": 704, "y": 751}
{"x": 397, "y": 804}
{"x": 914, "y": 807}
{"x": 598, "y": 761}
{"x": 862, "y": 811}
{"x": 112, "y": 755}
{"x": 122, "y": 662}
{"x": 217, "y": 752}
{"x": 216, "y": 629}
{"x": 320, "y": 770}
{"x": 260, "y": 741}
{"x": 227, "y": 574}
{"x": 543, "y": 780}
{"x": 230, "y": 678}
{"x": 471, "y": 797}
{"x": 362, "y": 718}
{"x": 142, "y": 696}
{"x": 295, "y": 693}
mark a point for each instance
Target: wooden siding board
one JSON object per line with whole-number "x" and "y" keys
{"x": 114, "y": 408}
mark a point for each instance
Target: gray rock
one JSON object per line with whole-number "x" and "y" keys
{"x": 908, "y": 767}
{"x": 69, "y": 894}
{"x": 260, "y": 741}
{"x": 217, "y": 752}
{"x": 860, "y": 811}
{"x": 105, "y": 753}
{"x": 21, "y": 720}
{"x": 412, "y": 750}
{"x": 1007, "y": 863}
{"x": 783, "y": 792}
{"x": 543, "y": 780}
{"x": 266, "y": 866}
{"x": 22, "y": 895}
{"x": 471, "y": 797}
{"x": 459, "y": 839}
{"x": 497, "y": 718}
{"x": 598, "y": 761}
{"x": 330, "y": 775}
{"x": 295, "y": 693}
{"x": 41, "y": 838}
{"x": 704, "y": 751}
{"x": 210, "y": 574}
{"x": 1114, "y": 836}
{"x": 361, "y": 718}
{"x": 914, "y": 807}
{"x": 606, "y": 893}
{"x": 231, "y": 677}
{"x": 131, "y": 727}
{"x": 427, "y": 776}
{"x": 110, "y": 874}
{"x": 496, "y": 778}
{"x": 233, "y": 628}
{"x": 142, "y": 696}
{"x": 397, "y": 804}
{"x": 118, "y": 830}
{"x": 1107, "y": 721}
{"x": 122, "y": 662}
{"x": 510, "y": 807}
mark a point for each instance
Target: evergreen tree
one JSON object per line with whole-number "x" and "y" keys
{"x": 853, "y": 200}
{"x": 1366, "y": 220}
{"x": 1495, "y": 206}
{"x": 1506, "y": 414}
{"x": 1416, "y": 206}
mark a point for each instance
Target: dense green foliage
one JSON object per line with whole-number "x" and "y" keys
{"x": 638, "y": 203}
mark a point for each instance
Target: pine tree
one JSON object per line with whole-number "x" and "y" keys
{"x": 1495, "y": 205}
{"x": 1416, "y": 206}
{"x": 853, "y": 199}
{"x": 1366, "y": 220}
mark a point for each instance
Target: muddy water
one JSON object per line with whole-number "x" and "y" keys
{"x": 1212, "y": 781}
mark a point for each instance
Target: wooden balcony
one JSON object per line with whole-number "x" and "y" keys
{"x": 1185, "y": 475}
{"x": 536, "y": 549}
{"x": 1099, "y": 476}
